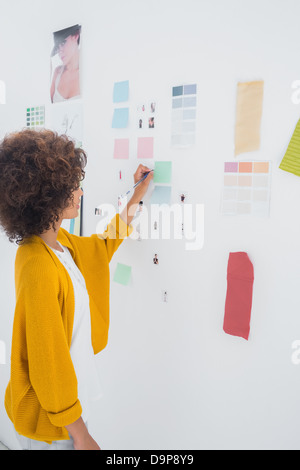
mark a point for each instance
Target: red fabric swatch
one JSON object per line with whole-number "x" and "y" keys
{"x": 240, "y": 278}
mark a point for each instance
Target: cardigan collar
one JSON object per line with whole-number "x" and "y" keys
{"x": 62, "y": 237}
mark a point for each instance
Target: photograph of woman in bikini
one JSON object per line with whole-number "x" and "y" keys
{"x": 65, "y": 81}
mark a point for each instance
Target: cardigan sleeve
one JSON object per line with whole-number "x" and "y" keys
{"x": 51, "y": 370}
{"x": 115, "y": 233}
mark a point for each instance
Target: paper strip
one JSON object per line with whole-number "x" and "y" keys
{"x": 248, "y": 116}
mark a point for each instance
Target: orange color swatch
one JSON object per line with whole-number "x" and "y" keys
{"x": 261, "y": 167}
{"x": 245, "y": 167}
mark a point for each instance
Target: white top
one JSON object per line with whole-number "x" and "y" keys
{"x": 57, "y": 97}
{"x": 82, "y": 354}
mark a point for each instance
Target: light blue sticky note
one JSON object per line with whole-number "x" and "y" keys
{"x": 120, "y": 118}
{"x": 161, "y": 195}
{"x": 121, "y": 91}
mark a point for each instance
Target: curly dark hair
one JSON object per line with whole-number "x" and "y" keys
{"x": 39, "y": 170}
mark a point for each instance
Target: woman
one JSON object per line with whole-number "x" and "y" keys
{"x": 66, "y": 79}
{"x": 62, "y": 289}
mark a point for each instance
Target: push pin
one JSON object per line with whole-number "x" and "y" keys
{"x": 139, "y": 239}
{"x": 155, "y": 259}
{"x": 151, "y": 123}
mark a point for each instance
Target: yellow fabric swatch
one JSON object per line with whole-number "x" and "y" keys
{"x": 291, "y": 159}
{"x": 248, "y": 116}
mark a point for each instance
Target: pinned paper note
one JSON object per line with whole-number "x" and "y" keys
{"x": 122, "y": 274}
{"x": 145, "y": 147}
{"x": 161, "y": 195}
{"x": 248, "y": 116}
{"x": 162, "y": 172}
{"x": 121, "y": 148}
{"x": 121, "y": 91}
{"x": 247, "y": 188}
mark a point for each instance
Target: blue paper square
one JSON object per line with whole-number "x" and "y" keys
{"x": 120, "y": 118}
{"x": 161, "y": 195}
{"x": 190, "y": 89}
{"x": 177, "y": 90}
{"x": 121, "y": 91}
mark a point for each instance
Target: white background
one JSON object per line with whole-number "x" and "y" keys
{"x": 172, "y": 379}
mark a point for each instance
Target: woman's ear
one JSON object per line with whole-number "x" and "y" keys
{"x": 76, "y": 38}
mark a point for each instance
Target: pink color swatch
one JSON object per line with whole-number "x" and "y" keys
{"x": 121, "y": 150}
{"x": 145, "y": 147}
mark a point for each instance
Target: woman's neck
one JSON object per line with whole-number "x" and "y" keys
{"x": 50, "y": 237}
{"x": 73, "y": 65}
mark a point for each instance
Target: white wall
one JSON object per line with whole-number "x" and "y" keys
{"x": 172, "y": 378}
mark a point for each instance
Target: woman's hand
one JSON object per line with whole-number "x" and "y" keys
{"x": 81, "y": 437}
{"x": 141, "y": 188}
{"x": 139, "y": 192}
{"x": 86, "y": 442}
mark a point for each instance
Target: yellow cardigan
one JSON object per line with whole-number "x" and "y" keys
{"x": 41, "y": 397}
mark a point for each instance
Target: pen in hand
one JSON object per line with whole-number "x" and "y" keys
{"x": 144, "y": 177}
{"x": 136, "y": 184}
